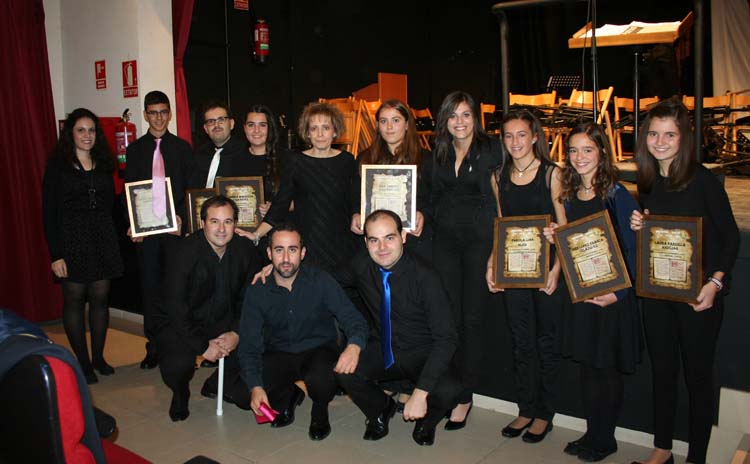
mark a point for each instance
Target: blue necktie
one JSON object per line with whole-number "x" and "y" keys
{"x": 385, "y": 320}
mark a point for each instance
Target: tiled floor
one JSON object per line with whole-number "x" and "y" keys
{"x": 139, "y": 400}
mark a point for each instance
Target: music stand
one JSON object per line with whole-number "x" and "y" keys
{"x": 563, "y": 82}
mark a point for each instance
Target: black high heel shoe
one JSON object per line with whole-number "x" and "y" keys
{"x": 457, "y": 425}
{"x": 529, "y": 437}
{"x": 668, "y": 461}
{"x": 512, "y": 432}
{"x": 103, "y": 368}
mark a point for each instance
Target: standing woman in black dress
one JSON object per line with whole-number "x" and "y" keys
{"x": 463, "y": 209}
{"x": 602, "y": 334}
{"x": 527, "y": 186}
{"x": 77, "y": 206}
{"x": 397, "y": 142}
{"x": 320, "y": 181}
{"x": 671, "y": 182}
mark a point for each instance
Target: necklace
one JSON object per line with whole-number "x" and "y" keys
{"x": 586, "y": 189}
{"x": 521, "y": 171}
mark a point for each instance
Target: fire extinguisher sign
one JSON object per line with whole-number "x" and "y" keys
{"x": 100, "y": 74}
{"x": 129, "y": 79}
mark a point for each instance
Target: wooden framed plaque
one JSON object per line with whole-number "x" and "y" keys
{"x": 392, "y": 187}
{"x": 520, "y": 253}
{"x": 194, "y": 199}
{"x": 591, "y": 258}
{"x": 669, "y": 262}
{"x": 247, "y": 193}
{"x": 143, "y": 221}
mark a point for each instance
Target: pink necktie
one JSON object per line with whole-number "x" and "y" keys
{"x": 159, "y": 186}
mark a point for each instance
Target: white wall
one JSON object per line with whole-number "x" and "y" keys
{"x": 80, "y": 32}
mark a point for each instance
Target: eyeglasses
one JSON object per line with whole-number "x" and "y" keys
{"x": 154, "y": 113}
{"x": 219, "y": 120}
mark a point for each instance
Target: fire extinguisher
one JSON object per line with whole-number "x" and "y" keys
{"x": 124, "y": 136}
{"x": 261, "y": 38}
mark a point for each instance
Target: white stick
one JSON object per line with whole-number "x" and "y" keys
{"x": 220, "y": 392}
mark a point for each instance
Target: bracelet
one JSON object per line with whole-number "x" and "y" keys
{"x": 716, "y": 282}
{"x": 256, "y": 240}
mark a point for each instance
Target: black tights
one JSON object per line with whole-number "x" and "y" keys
{"x": 602, "y": 392}
{"x": 75, "y": 296}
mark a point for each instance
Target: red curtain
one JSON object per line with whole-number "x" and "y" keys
{"x": 182, "y": 14}
{"x": 27, "y": 137}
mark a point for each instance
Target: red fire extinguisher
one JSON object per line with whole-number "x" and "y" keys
{"x": 261, "y": 37}
{"x": 124, "y": 136}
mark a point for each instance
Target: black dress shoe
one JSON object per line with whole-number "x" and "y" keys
{"x": 209, "y": 392}
{"x": 286, "y": 417}
{"x": 103, "y": 368}
{"x": 207, "y": 363}
{"x": 529, "y": 437}
{"x": 595, "y": 455}
{"x": 319, "y": 430}
{"x": 150, "y": 361}
{"x": 668, "y": 461}
{"x": 574, "y": 448}
{"x": 178, "y": 409}
{"x": 511, "y": 432}
{"x": 458, "y": 425}
{"x": 423, "y": 435}
{"x": 378, "y": 428}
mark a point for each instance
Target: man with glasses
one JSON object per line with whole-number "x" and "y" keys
{"x": 217, "y": 157}
{"x": 173, "y": 157}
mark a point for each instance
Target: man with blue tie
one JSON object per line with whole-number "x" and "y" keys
{"x": 413, "y": 337}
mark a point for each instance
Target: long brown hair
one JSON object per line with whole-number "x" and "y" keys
{"x": 406, "y": 153}
{"x": 682, "y": 168}
{"x": 606, "y": 172}
{"x": 443, "y": 137}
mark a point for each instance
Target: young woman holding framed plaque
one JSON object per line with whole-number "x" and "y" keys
{"x": 396, "y": 142}
{"x": 526, "y": 186}
{"x": 671, "y": 182}
{"x": 77, "y": 204}
{"x": 602, "y": 334}
{"x": 463, "y": 208}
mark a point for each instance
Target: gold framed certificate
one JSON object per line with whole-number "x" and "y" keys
{"x": 520, "y": 254}
{"x": 392, "y": 187}
{"x": 194, "y": 199}
{"x": 591, "y": 258}
{"x": 143, "y": 221}
{"x": 247, "y": 193}
{"x": 669, "y": 262}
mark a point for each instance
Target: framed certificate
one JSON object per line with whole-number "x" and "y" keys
{"x": 520, "y": 254}
{"x": 392, "y": 187}
{"x": 143, "y": 221}
{"x": 591, "y": 258}
{"x": 247, "y": 193}
{"x": 194, "y": 199}
{"x": 669, "y": 260}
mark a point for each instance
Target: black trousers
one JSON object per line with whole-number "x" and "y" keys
{"x": 314, "y": 367}
{"x": 151, "y": 258}
{"x": 460, "y": 257}
{"x": 602, "y": 394}
{"x": 674, "y": 332}
{"x": 370, "y": 398}
{"x": 177, "y": 367}
{"x": 534, "y": 319}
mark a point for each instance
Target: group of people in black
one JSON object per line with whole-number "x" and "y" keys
{"x": 360, "y": 304}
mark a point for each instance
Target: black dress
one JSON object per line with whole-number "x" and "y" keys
{"x": 599, "y": 337}
{"x": 78, "y": 224}
{"x": 322, "y": 191}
